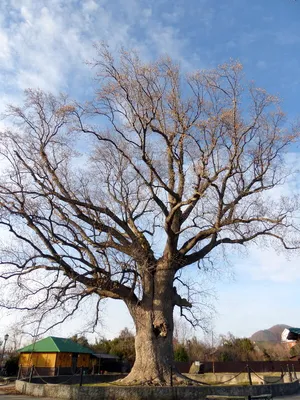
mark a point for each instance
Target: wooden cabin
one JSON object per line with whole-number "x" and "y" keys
{"x": 55, "y": 356}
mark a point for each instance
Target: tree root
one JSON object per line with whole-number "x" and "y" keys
{"x": 178, "y": 379}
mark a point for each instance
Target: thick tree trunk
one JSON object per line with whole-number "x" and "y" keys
{"x": 153, "y": 318}
{"x": 154, "y": 350}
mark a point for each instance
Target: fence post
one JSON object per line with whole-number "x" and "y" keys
{"x": 19, "y": 372}
{"x": 81, "y": 376}
{"x": 249, "y": 375}
{"x": 294, "y": 372}
{"x": 289, "y": 372}
{"x": 31, "y": 373}
{"x": 171, "y": 376}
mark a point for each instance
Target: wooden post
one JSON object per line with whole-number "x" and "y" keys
{"x": 31, "y": 373}
{"x": 19, "y": 372}
{"x": 81, "y": 376}
{"x": 289, "y": 372}
{"x": 249, "y": 375}
{"x": 294, "y": 372}
{"x": 171, "y": 376}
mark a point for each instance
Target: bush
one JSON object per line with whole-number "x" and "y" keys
{"x": 180, "y": 353}
{"x": 12, "y": 365}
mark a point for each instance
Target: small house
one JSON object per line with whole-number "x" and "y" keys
{"x": 55, "y": 356}
{"x": 290, "y": 336}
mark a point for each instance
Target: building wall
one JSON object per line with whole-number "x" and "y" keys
{"x": 64, "y": 360}
{"x": 84, "y": 360}
{"x": 47, "y": 360}
{"x": 54, "y": 360}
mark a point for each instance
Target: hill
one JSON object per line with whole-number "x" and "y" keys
{"x": 272, "y": 334}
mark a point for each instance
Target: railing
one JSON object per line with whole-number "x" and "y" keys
{"x": 79, "y": 373}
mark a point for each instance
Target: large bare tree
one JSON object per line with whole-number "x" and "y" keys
{"x": 115, "y": 197}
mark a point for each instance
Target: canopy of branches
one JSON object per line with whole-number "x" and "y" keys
{"x": 115, "y": 197}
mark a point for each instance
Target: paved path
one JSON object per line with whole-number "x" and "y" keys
{"x": 4, "y": 396}
{"x": 20, "y": 397}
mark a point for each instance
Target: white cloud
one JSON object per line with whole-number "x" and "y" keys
{"x": 267, "y": 264}
{"x": 44, "y": 46}
{"x": 90, "y": 5}
{"x": 5, "y": 53}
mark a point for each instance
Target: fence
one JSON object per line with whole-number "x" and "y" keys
{"x": 79, "y": 377}
{"x": 237, "y": 366}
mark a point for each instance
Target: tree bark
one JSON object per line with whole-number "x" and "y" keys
{"x": 153, "y": 318}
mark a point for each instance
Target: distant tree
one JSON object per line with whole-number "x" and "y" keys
{"x": 279, "y": 351}
{"x": 17, "y": 338}
{"x": 101, "y": 346}
{"x": 266, "y": 355}
{"x": 82, "y": 340}
{"x": 199, "y": 350}
{"x": 272, "y": 351}
{"x": 12, "y": 364}
{"x": 180, "y": 353}
{"x": 182, "y": 331}
{"x": 295, "y": 350}
{"x": 126, "y": 334}
{"x": 244, "y": 349}
{"x": 235, "y": 349}
{"x": 123, "y": 346}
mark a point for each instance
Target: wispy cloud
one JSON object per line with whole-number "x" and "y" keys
{"x": 47, "y": 46}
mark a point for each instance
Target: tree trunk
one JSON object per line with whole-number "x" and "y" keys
{"x": 153, "y": 318}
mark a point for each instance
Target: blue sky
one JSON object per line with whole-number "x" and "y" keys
{"x": 46, "y": 44}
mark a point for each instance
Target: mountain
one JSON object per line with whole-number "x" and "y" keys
{"x": 272, "y": 334}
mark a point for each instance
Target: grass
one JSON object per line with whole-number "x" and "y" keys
{"x": 103, "y": 384}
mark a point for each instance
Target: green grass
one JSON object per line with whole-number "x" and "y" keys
{"x": 104, "y": 384}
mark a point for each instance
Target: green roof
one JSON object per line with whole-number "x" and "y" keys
{"x": 295, "y": 330}
{"x": 53, "y": 344}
